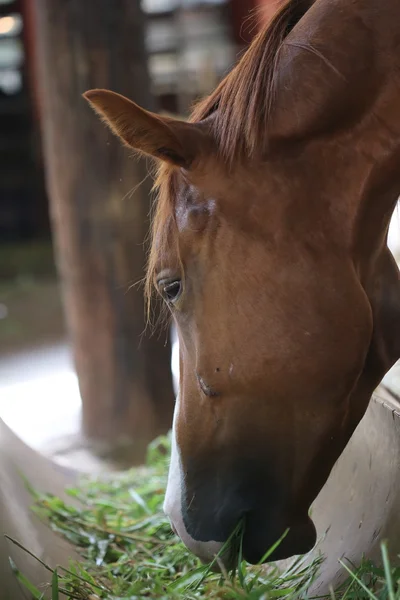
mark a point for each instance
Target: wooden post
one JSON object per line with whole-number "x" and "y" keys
{"x": 99, "y": 204}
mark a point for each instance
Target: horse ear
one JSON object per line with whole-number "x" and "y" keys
{"x": 170, "y": 140}
{"x": 324, "y": 77}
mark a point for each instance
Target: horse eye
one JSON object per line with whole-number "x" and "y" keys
{"x": 171, "y": 290}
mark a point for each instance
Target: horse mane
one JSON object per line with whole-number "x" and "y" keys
{"x": 242, "y": 102}
{"x": 240, "y": 105}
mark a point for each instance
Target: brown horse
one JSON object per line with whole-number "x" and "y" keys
{"x": 270, "y": 249}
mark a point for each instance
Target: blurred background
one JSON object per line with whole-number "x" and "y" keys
{"x": 78, "y": 380}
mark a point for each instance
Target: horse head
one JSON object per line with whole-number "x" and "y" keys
{"x": 269, "y": 249}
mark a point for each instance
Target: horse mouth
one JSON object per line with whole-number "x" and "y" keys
{"x": 299, "y": 539}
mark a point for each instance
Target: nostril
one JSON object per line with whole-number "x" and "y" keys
{"x": 206, "y": 389}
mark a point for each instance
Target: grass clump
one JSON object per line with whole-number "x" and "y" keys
{"x": 370, "y": 582}
{"x": 129, "y": 552}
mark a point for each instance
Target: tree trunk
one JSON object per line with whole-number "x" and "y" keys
{"x": 99, "y": 204}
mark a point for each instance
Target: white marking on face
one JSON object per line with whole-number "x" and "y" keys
{"x": 173, "y": 503}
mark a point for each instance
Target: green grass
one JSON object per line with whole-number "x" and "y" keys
{"x": 129, "y": 552}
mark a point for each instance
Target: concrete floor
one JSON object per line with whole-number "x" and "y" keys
{"x": 41, "y": 403}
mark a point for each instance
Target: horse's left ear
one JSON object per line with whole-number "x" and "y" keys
{"x": 167, "y": 139}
